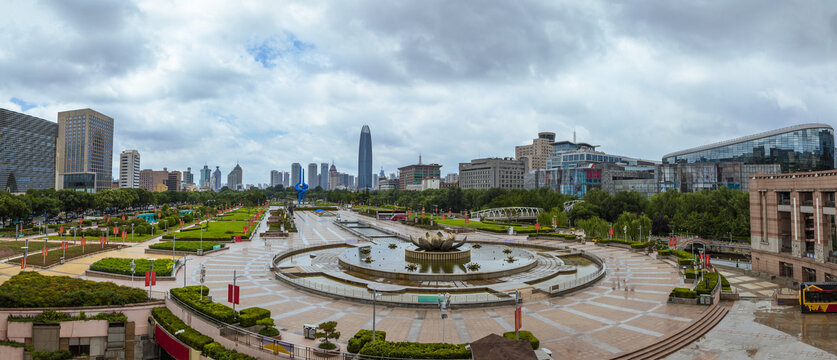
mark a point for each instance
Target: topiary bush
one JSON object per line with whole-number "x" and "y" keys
{"x": 250, "y": 316}
{"x": 524, "y": 335}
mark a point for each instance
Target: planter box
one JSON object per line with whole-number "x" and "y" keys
{"x": 685, "y": 301}
{"x": 183, "y": 253}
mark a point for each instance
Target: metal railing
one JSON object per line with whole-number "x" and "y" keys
{"x": 572, "y": 284}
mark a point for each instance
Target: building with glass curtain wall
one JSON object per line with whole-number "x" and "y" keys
{"x": 27, "y": 152}
{"x": 806, "y": 147}
{"x": 84, "y": 151}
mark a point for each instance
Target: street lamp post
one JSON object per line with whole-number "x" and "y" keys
{"x": 203, "y": 275}
{"x": 184, "y": 270}
{"x": 133, "y": 270}
{"x": 375, "y": 295}
{"x": 444, "y": 304}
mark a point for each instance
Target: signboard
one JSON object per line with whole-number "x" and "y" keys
{"x": 176, "y": 349}
{"x": 433, "y": 299}
{"x": 216, "y": 247}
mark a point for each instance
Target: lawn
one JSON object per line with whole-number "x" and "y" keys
{"x": 238, "y": 215}
{"x": 54, "y": 255}
{"x": 10, "y": 248}
{"x": 217, "y": 231}
{"x": 488, "y": 227}
{"x": 30, "y": 289}
{"x": 122, "y": 266}
{"x": 192, "y": 246}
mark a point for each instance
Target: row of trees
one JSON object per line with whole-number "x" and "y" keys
{"x": 50, "y": 203}
{"x": 720, "y": 213}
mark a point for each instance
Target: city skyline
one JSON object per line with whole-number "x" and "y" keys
{"x": 642, "y": 81}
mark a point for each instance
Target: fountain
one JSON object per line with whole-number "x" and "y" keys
{"x": 437, "y": 248}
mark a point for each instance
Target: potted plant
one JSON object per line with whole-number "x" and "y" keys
{"x": 269, "y": 329}
{"x": 325, "y": 331}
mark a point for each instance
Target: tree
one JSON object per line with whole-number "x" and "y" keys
{"x": 327, "y": 330}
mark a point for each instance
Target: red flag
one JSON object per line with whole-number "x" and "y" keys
{"x": 554, "y": 223}
{"x": 708, "y": 263}
{"x": 610, "y": 231}
{"x": 124, "y": 235}
{"x": 238, "y": 239}
{"x": 116, "y": 230}
{"x": 150, "y": 278}
{"x": 64, "y": 245}
{"x": 46, "y": 251}
{"x": 23, "y": 262}
{"x": 537, "y": 227}
{"x": 83, "y": 241}
{"x": 181, "y": 223}
{"x": 62, "y": 230}
{"x": 102, "y": 241}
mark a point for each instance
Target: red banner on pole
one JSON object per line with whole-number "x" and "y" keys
{"x": 46, "y": 251}
{"x": 62, "y": 230}
{"x": 64, "y": 245}
{"x": 150, "y": 278}
{"x": 518, "y": 319}
{"x": 238, "y": 239}
{"x": 83, "y": 242}
{"x": 181, "y": 223}
{"x": 554, "y": 223}
{"x": 23, "y": 262}
{"x": 537, "y": 227}
{"x": 466, "y": 221}
{"x": 232, "y": 293}
{"x": 116, "y": 230}
{"x": 124, "y": 235}
{"x": 610, "y": 231}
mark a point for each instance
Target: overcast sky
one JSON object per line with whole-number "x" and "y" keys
{"x": 270, "y": 83}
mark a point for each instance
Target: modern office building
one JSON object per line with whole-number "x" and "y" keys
{"x": 610, "y": 177}
{"x": 793, "y": 232}
{"x": 324, "y": 176}
{"x": 364, "y": 160}
{"x": 275, "y": 178}
{"x": 216, "y": 179}
{"x": 206, "y": 176}
{"x": 452, "y": 178}
{"x": 414, "y": 174}
{"x": 286, "y": 179}
{"x": 313, "y": 178}
{"x": 129, "y": 169}
{"x": 84, "y": 151}
{"x": 506, "y": 173}
{"x": 535, "y": 155}
{"x": 296, "y": 171}
{"x": 806, "y": 147}
{"x": 235, "y": 179}
{"x": 333, "y": 177}
{"x": 27, "y": 152}
{"x": 173, "y": 181}
{"x": 154, "y": 180}
{"x": 188, "y": 177}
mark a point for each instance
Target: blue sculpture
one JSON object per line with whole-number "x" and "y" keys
{"x": 302, "y": 187}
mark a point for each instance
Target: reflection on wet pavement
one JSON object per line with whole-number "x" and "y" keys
{"x": 759, "y": 329}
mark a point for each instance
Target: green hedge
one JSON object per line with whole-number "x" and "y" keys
{"x": 412, "y": 350}
{"x": 31, "y": 289}
{"x": 217, "y": 351}
{"x": 249, "y": 316}
{"x": 524, "y": 335}
{"x": 555, "y": 235}
{"x": 191, "y": 246}
{"x": 362, "y": 337}
{"x": 173, "y": 324}
{"x": 690, "y": 274}
{"x": 639, "y": 245}
{"x": 52, "y": 355}
{"x": 163, "y": 267}
{"x": 684, "y": 262}
{"x": 52, "y": 316}
{"x": 683, "y": 293}
{"x": 725, "y": 284}
{"x": 664, "y": 252}
{"x": 191, "y": 296}
{"x": 708, "y": 283}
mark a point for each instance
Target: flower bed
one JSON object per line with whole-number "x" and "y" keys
{"x": 163, "y": 267}
{"x": 30, "y": 289}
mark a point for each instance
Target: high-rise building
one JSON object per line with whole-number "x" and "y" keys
{"x": 364, "y": 159}
{"x": 313, "y": 179}
{"x": 27, "y": 152}
{"x": 206, "y": 175}
{"x": 415, "y": 174}
{"x": 324, "y": 176}
{"x": 286, "y": 179}
{"x": 333, "y": 177}
{"x": 84, "y": 151}
{"x": 296, "y": 171}
{"x": 173, "y": 181}
{"x": 129, "y": 169}
{"x": 492, "y": 173}
{"x": 275, "y": 178}
{"x": 216, "y": 181}
{"x": 806, "y": 147}
{"x": 188, "y": 177}
{"x": 235, "y": 178}
{"x": 536, "y": 154}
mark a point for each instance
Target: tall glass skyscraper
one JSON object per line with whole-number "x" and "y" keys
{"x": 84, "y": 151}
{"x": 364, "y": 160}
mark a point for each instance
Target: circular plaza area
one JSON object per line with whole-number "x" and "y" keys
{"x": 596, "y": 310}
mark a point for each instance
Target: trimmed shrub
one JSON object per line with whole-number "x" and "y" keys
{"x": 52, "y": 355}
{"x": 250, "y": 316}
{"x": 163, "y": 267}
{"x": 191, "y": 246}
{"x": 412, "y": 350}
{"x": 684, "y": 262}
{"x": 683, "y": 293}
{"x": 269, "y": 331}
{"x": 524, "y": 335}
{"x": 173, "y": 324}
{"x": 31, "y": 289}
{"x": 362, "y": 337}
{"x": 190, "y": 295}
{"x": 555, "y": 235}
{"x": 664, "y": 252}
{"x": 690, "y": 274}
{"x": 708, "y": 283}
{"x": 639, "y": 245}
{"x": 217, "y": 351}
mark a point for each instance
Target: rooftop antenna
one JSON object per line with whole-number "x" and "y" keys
{"x": 573, "y": 135}
{"x": 419, "y": 159}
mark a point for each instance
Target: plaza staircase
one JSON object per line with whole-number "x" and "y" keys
{"x": 680, "y": 339}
